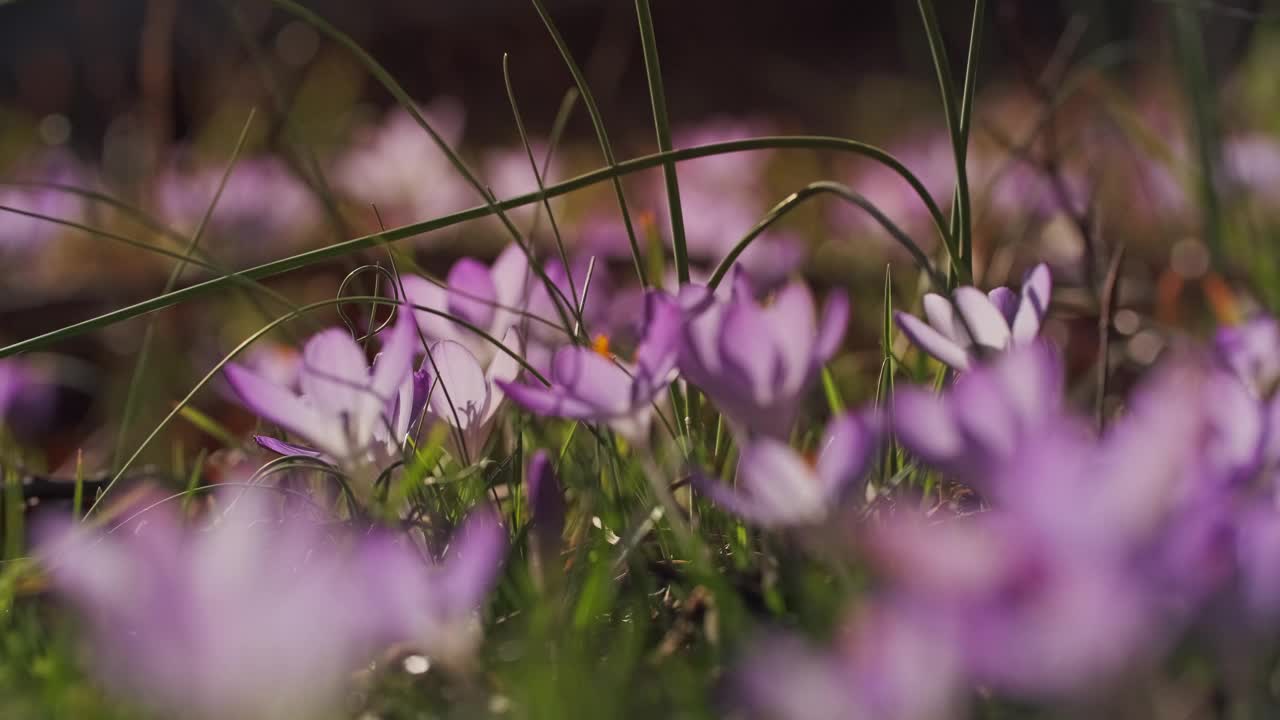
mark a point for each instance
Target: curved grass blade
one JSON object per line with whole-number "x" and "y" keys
{"x": 311, "y": 257}
{"x": 831, "y": 188}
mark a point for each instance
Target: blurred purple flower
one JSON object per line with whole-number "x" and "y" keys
{"x": 993, "y": 321}
{"x": 262, "y": 616}
{"x": 757, "y": 362}
{"x": 431, "y": 607}
{"x": 1252, "y": 351}
{"x": 893, "y": 663}
{"x": 591, "y": 384}
{"x": 398, "y": 167}
{"x": 347, "y": 412}
{"x": 777, "y": 486}
{"x": 262, "y": 207}
{"x": 24, "y": 234}
{"x": 254, "y": 618}
{"x": 508, "y": 174}
{"x": 979, "y": 422}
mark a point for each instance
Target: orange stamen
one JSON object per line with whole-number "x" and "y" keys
{"x": 601, "y": 345}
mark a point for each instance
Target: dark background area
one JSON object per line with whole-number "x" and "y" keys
{"x": 81, "y": 58}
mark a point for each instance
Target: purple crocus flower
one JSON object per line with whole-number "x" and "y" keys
{"x": 490, "y": 298}
{"x": 462, "y": 392}
{"x": 776, "y": 486}
{"x": 756, "y": 362}
{"x": 593, "y": 385}
{"x": 347, "y": 412}
{"x": 986, "y": 414}
{"x": 991, "y": 321}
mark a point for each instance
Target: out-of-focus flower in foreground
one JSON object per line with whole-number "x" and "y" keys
{"x": 777, "y": 486}
{"x": 979, "y": 422}
{"x": 890, "y": 663}
{"x": 988, "y": 322}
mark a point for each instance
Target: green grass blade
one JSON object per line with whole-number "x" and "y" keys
{"x": 575, "y": 303}
{"x": 597, "y": 122}
{"x": 662, "y": 125}
{"x": 829, "y": 188}
{"x": 961, "y": 250}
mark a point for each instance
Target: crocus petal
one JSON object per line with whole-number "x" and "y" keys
{"x": 748, "y": 350}
{"x": 504, "y": 368}
{"x": 592, "y": 379}
{"x": 471, "y": 292}
{"x": 1036, "y": 292}
{"x": 395, "y": 362}
{"x": 1005, "y": 300}
{"x": 549, "y": 402}
{"x": 459, "y": 392}
{"x": 474, "y": 557}
{"x": 511, "y": 276}
{"x": 657, "y": 353}
{"x": 423, "y": 293}
{"x": 941, "y": 314}
{"x": 846, "y": 450}
{"x": 282, "y": 407}
{"x": 725, "y": 496}
{"x": 335, "y": 375}
{"x": 923, "y": 424}
{"x": 931, "y": 341}
{"x": 281, "y": 447}
{"x": 782, "y": 486}
{"x": 985, "y": 323}
{"x": 790, "y": 320}
{"x": 831, "y": 327}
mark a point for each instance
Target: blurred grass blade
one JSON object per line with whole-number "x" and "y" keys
{"x": 209, "y": 426}
{"x": 148, "y": 335}
{"x": 1193, "y": 66}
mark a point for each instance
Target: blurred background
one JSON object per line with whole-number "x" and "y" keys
{"x": 120, "y": 119}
